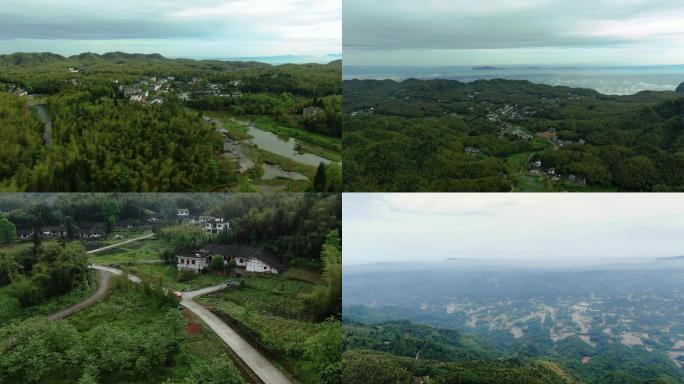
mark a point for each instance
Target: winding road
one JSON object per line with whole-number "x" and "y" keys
{"x": 261, "y": 366}
{"x": 257, "y": 363}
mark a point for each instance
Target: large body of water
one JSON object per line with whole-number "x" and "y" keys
{"x": 606, "y": 80}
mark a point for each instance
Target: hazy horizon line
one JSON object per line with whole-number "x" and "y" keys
{"x": 503, "y": 66}
{"x": 195, "y": 58}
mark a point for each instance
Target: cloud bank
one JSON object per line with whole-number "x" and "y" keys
{"x": 199, "y": 29}
{"x": 433, "y": 227}
{"x": 538, "y": 31}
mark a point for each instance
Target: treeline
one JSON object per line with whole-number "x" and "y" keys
{"x": 293, "y": 227}
{"x": 34, "y": 274}
{"x": 415, "y": 135}
{"x": 101, "y": 143}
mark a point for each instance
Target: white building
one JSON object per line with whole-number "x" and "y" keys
{"x": 196, "y": 262}
{"x": 183, "y": 213}
{"x": 248, "y": 259}
{"x": 212, "y": 225}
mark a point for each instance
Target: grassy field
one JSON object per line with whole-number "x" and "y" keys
{"x": 146, "y": 249}
{"x": 267, "y": 311}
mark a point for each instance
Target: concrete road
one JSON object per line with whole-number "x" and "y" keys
{"x": 119, "y": 244}
{"x": 263, "y": 368}
{"x": 115, "y": 271}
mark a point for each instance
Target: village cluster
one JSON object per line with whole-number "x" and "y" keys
{"x": 152, "y": 89}
{"x": 246, "y": 258}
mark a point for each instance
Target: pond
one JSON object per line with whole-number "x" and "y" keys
{"x": 274, "y": 171}
{"x": 283, "y": 146}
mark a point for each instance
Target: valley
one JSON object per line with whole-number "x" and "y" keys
{"x": 585, "y": 321}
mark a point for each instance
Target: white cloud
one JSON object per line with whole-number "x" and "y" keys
{"x": 561, "y": 32}
{"x": 222, "y": 28}
{"x": 432, "y": 227}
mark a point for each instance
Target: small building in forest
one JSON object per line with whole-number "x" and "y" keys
{"x": 212, "y": 225}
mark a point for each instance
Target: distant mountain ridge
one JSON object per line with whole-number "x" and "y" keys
{"x": 24, "y": 59}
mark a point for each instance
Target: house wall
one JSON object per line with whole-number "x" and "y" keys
{"x": 186, "y": 263}
{"x": 256, "y": 265}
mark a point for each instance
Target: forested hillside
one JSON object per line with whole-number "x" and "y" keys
{"x": 502, "y": 135}
{"x": 405, "y": 353}
{"x": 133, "y": 122}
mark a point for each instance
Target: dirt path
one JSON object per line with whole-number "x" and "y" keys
{"x": 103, "y": 283}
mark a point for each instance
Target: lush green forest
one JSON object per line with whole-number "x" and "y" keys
{"x": 404, "y": 353}
{"x": 131, "y": 122}
{"x": 503, "y": 135}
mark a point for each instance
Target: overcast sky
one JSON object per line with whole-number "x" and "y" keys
{"x": 433, "y": 227}
{"x": 499, "y": 32}
{"x": 174, "y": 28}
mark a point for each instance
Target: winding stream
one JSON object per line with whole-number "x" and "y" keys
{"x": 47, "y": 121}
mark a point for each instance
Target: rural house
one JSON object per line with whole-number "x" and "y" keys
{"x": 248, "y": 259}
{"x": 212, "y": 225}
{"x": 183, "y": 213}
{"x": 89, "y": 230}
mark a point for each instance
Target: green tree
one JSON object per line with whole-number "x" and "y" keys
{"x": 230, "y": 266}
{"x": 69, "y": 228}
{"x": 636, "y": 174}
{"x": 326, "y": 300}
{"x": 216, "y": 263}
{"x": 325, "y": 351}
{"x": 320, "y": 182}
{"x": 8, "y": 231}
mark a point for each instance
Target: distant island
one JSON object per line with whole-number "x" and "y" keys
{"x": 485, "y": 68}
